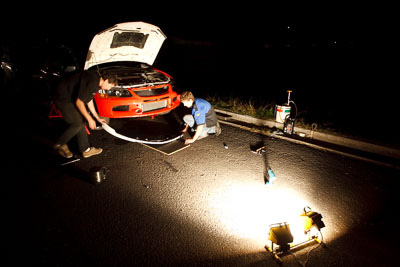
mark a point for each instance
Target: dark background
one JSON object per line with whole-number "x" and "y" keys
{"x": 337, "y": 58}
{"x": 245, "y": 50}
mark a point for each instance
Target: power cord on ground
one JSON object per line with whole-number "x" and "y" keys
{"x": 308, "y": 253}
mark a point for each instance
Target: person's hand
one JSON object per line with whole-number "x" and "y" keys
{"x": 185, "y": 129}
{"x": 102, "y": 121}
{"x": 189, "y": 141}
{"x": 92, "y": 124}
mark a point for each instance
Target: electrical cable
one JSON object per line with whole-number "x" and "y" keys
{"x": 295, "y": 106}
{"x": 308, "y": 253}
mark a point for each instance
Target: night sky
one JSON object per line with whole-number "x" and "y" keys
{"x": 331, "y": 53}
{"x": 356, "y": 32}
{"x": 307, "y": 25}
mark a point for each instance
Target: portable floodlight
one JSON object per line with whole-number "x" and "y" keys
{"x": 311, "y": 219}
{"x": 281, "y": 235}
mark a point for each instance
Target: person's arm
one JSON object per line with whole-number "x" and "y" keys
{"x": 185, "y": 129}
{"x": 82, "y": 109}
{"x": 199, "y": 130}
{"x": 94, "y": 112}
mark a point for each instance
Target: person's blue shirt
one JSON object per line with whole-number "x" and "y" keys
{"x": 199, "y": 110}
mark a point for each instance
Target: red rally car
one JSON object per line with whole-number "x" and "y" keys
{"x": 128, "y": 51}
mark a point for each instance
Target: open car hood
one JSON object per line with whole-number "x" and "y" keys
{"x": 130, "y": 41}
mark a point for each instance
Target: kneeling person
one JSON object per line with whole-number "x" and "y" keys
{"x": 203, "y": 116}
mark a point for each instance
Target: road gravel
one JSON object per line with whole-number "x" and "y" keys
{"x": 206, "y": 205}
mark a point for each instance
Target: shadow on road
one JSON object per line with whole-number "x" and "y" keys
{"x": 261, "y": 148}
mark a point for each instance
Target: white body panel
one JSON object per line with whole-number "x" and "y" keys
{"x": 130, "y": 41}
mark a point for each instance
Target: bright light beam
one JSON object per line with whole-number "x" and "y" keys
{"x": 247, "y": 209}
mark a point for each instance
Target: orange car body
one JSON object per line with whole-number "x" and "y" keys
{"x": 127, "y": 51}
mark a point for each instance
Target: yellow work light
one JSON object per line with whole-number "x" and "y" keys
{"x": 281, "y": 236}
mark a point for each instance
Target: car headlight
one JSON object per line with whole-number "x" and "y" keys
{"x": 114, "y": 93}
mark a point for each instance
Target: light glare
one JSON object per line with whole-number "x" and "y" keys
{"x": 247, "y": 209}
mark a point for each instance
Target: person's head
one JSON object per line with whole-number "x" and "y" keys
{"x": 108, "y": 81}
{"x": 187, "y": 99}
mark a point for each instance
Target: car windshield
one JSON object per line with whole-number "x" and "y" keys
{"x": 135, "y": 39}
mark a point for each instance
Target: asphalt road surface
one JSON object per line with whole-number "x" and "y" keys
{"x": 204, "y": 205}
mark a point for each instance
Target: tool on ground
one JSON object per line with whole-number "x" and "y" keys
{"x": 71, "y": 161}
{"x": 259, "y": 151}
{"x": 269, "y": 176}
{"x": 283, "y": 115}
{"x": 288, "y": 126}
{"x": 97, "y": 174}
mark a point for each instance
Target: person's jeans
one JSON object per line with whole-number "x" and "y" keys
{"x": 189, "y": 120}
{"x": 76, "y": 126}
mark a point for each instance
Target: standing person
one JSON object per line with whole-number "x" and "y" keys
{"x": 203, "y": 116}
{"x": 72, "y": 96}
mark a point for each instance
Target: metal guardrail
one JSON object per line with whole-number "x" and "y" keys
{"x": 227, "y": 116}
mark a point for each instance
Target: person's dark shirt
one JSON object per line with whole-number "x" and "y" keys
{"x": 82, "y": 85}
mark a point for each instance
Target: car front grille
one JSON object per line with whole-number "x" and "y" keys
{"x": 150, "y": 106}
{"x": 121, "y": 108}
{"x": 152, "y": 91}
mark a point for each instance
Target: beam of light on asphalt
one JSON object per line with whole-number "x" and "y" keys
{"x": 247, "y": 209}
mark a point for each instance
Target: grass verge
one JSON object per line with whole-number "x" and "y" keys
{"x": 251, "y": 107}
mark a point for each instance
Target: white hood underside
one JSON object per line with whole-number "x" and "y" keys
{"x": 130, "y": 41}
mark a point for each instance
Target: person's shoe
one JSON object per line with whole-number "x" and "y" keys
{"x": 63, "y": 151}
{"x": 92, "y": 152}
{"x": 218, "y": 129}
{"x": 203, "y": 136}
